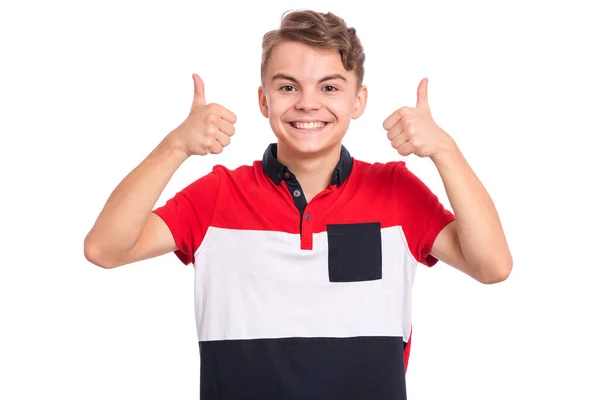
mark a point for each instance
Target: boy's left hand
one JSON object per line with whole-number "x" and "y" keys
{"x": 413, "y": 130}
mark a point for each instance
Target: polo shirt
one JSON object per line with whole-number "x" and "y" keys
{"x": 298, "y": 300}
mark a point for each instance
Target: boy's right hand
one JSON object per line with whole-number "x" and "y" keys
{"x": 208, "y": 127}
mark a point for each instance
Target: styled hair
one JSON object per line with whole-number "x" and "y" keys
{"x": 325, "y": 31}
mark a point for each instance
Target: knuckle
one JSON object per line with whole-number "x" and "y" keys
{"x": 211, "y": 130}
{"x": 205, "y": 143}
{"x": 404, "y": 112}
{"x": 202, "y": 151}
{"x": 211, "y": 118}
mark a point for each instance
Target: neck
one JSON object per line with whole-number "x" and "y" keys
{"x": 313, "y": 171}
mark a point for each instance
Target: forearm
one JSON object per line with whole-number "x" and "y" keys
{"x": 479, "y": 230}
{"x": 127, "y": 209}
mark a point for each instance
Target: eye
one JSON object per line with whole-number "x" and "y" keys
{"x": 330, "y": 88}
{"x": 287, "y": 88}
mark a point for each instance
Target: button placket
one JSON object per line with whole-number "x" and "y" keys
{"x": 307, "y": 230}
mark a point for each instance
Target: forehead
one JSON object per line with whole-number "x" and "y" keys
{"x": 304, "y": 62}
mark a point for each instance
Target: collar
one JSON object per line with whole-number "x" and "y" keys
{"x": 275, "y": 170}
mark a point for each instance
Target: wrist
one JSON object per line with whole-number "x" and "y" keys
{"x": 447, "y": 154}
{"x": 175, "y": 145}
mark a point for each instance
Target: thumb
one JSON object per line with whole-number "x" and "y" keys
{"x": 422, "y": 97}
{"x": 199, "y": 99}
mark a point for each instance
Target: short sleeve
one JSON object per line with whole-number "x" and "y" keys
{"x": 188, "y": 214}
{"x": 423, "y": 215}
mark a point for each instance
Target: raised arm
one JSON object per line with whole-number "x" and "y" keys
{"x": 474, "y": 243}
{"x": 126, "y": 229}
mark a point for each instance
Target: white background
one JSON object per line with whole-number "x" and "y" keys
{"x": 88, "y": 89}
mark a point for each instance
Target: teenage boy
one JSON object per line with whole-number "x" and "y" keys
{"x": 304, "y": 261}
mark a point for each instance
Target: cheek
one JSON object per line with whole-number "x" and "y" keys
{"x": 342, "y": 108}
{"x": 278, "y": 106}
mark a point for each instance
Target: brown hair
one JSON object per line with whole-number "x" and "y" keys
{"x": 326, "y": 31}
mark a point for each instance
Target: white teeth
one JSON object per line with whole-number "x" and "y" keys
{"x": 310, "y": 126}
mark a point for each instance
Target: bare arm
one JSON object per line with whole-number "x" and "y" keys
{"x": 126, "y": 229}
{"x": 475, "y": 242}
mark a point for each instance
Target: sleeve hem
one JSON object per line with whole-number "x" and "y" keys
{"x": 185, "y": 258}
{"x": 426, "y": 257}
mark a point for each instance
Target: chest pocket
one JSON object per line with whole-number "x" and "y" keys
{"x": 354, "y": 253}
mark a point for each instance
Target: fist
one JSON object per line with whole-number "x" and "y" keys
{"x": 413, "y": 130}
{"x": 208, "y": 128}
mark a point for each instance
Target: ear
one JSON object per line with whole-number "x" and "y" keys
{"x": 360, "y": 102}
{"x": 262, "y": 102}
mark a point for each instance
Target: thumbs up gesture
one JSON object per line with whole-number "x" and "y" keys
{"x": 208, "y": 128}
{"x": 413, "y": 130}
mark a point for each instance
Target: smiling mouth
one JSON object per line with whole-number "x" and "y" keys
{"x": 309, "y": 126}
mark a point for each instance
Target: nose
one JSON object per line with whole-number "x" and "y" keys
{"x": 308, "y": 101}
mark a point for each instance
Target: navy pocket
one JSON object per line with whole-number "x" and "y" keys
{"x": 354, "y": 253}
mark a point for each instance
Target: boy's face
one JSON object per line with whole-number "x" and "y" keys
{"x": 309, "y": 98}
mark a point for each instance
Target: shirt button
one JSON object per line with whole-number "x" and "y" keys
{"x": 297, "y": 193}
{"x": 286, "y": 175}
{"x": 307, "y": 217}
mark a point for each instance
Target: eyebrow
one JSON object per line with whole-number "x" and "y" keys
{"x": 323, "y": 79}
